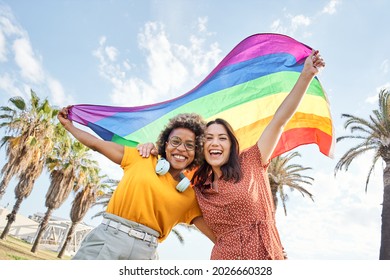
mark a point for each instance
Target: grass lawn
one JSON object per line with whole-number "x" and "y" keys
{"x": 15, "y": 249}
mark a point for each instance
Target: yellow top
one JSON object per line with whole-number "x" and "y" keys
{"x": 144, "y": 197}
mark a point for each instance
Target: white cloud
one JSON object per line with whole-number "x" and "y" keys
{"x": 24, "y": 70}
{"x": 385, "y": 86}
{"x": 127, "y": 65}
{"x": 112, "y": 53}
{"x": 299, "y": 20}
{"x": 277, "y": 27}
{"x": 8, "y": 23}
{"x": 131, "y": 92}
{"x": 166, "y": 71}
{"x": 8, "y": 28}
{"x": 106, "y": 56}
{"x": 374, "y": 98}
{"x": 3, "y": 50}
{"x": 8, "y": 85}
{"x": 202, "y": 24}
{"x": 170, "y": 66}
{"x": 292, "y": 26}
{"x": 30, "y": 66}
{"x": 330, "y": 8}
{"x": 195, "y": 56}
{"x": 59, "y": 98}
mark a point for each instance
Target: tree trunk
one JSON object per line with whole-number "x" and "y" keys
{"x": 274, "y": 191}
{"x": 384, "y": 253}
{"x": 4, "y": 184}
{"x": 42, "y": 229}
{"x": 11, "y": 218}
{"x": 67, "y": 240}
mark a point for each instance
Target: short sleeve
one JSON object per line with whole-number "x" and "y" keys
{"x": 128, "y": 155}
{"x": 252, "y": 155}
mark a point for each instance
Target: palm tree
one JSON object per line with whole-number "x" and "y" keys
{"x": 26, "y": 125}
{"x": 28, "y": 145}
{"x": 374, "y": 135}
{"x": 68, "y": 165}
{"x": 177, "y": 233}
{"x": 104, "y": 196}
{"x": 281, "y": 173}
{"x": 82, "y": 203}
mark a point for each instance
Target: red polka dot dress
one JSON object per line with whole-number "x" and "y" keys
{"x": 242, "y": 214}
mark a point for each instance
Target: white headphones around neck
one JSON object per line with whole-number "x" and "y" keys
{"x": 162, "y": 168}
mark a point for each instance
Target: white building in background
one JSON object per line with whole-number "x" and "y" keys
{"x": 54, "y": 236}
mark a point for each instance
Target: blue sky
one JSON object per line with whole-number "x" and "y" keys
{"x": 139, "y": 52}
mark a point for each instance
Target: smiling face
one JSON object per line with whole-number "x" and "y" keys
{"x": 217, "y": 146}
{"x": 180, "y": 157}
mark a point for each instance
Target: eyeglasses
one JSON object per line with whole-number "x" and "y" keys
{"x": 176, "y": 142}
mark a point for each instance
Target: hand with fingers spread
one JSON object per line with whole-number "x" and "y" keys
{"x": 147, "y": 149}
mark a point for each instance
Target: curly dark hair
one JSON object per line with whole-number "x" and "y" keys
{"x": 191, "y": 121}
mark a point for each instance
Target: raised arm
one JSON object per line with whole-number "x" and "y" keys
{"x": 111, "y": 150}
{"x": 270, "y": 137}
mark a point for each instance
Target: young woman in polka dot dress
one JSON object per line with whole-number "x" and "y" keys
{"x": 232, "y": 188}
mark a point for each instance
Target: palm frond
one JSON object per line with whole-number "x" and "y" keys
{"x": 18, "y": 102}
{"x": 282, "y": 172}
{"x": 374, "y": 134}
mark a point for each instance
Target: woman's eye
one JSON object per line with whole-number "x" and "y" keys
{"x": 190, "y": 145}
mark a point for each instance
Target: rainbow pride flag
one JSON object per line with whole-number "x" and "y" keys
{"x": 245, "y": 88}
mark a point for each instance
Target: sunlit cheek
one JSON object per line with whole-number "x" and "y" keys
{"x": 226, "y": 155}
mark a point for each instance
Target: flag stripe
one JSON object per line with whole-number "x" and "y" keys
{"x": 289, "y": 141}
{"x": 245, "y": 88}
{"x": 259, "y": 45}
{"x": 247, "y": 133}
{"x": 309, "y": 105}
{"x": 238, "y": 74}
{"x": 232, "y": 99}
{"x": 229, "y": 98}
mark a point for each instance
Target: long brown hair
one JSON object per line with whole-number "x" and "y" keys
{"x": 231, "y": 170}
